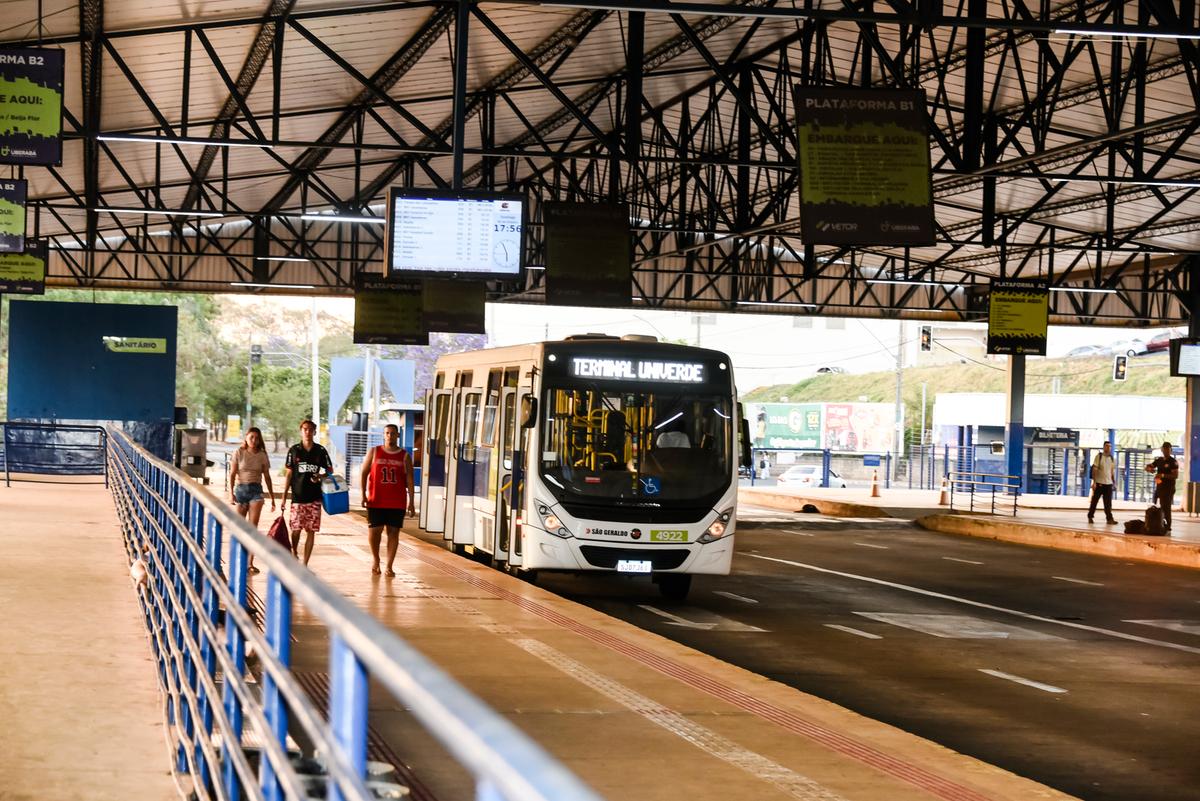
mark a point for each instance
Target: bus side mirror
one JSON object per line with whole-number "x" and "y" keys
{"x": 528, "y": 411}
{"x": 746, "y": 459}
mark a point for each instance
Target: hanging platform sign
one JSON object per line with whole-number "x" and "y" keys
{"x": 12, "y": 215}
{"x": 453, "y": 306}
{"x": 864, "y": 167}
{"x": 1018, "y": 318}
{"x": 24, "y": 273}
{"x": 588, "y": 254}
{"x": 388, "y": 312}
{"x": 31, "y": 106}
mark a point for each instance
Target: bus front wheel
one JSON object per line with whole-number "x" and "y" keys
{"x": 674, "y": 586}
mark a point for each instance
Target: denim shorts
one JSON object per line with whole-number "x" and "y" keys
{"x": 247, "y": 493}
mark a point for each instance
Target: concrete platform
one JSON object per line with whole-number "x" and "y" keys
{"x": 80, "y": 715}
{"x": 637, "y": 716}
{"x": 1045, "y": 521}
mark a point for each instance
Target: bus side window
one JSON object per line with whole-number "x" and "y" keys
{"x": 510, "y": 429}
{"x": 441, "y": 425}
{"x": 470, "y": 423}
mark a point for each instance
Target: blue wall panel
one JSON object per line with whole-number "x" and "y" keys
{"x": 60, "y": 368}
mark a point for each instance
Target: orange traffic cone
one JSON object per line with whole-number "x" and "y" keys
{"x": 944, "y": 495}
{"x": 874, "y": 483}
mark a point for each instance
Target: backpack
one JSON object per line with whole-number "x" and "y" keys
{"x": 1154, "y": 522}
{"x": 1135, "y": 527}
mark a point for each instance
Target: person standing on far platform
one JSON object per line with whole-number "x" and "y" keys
{"x": 1166, "y": 471}
{"x": 387, "y": 480}
{"x": 306, "y": 462}
{"x": 1104, "y": 475}
{"x": 251, "y": 467}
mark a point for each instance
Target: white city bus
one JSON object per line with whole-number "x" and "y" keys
{"x": 589, "y": 454}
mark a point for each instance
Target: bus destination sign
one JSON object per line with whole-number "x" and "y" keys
{"x": 638, "y": 370}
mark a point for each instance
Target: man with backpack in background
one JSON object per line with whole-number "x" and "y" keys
{"x": 1166, "y": 471}
{"x": 1104, "y": 475}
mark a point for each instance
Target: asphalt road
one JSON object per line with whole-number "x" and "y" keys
{"x": 1080, "y": 672}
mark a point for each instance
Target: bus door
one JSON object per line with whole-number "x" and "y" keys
{"x": 487, "y": 473}
{"x": 513, "y": 499}
{"x": 504, "y": 471}
{"x": 433, "y": 460}
{"x": 460, "y": 512}
{"x": 453, "y": 440}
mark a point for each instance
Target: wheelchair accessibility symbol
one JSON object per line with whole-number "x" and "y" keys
{"x": 651, "y": 486}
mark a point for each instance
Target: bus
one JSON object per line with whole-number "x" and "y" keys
{"x": 593, "y": 453}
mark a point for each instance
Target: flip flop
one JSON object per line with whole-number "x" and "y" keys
{"x": 390, "y": 574}
{"x": 253, "y": 569}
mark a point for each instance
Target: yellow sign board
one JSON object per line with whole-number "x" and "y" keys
{"x": 135, "y": 344}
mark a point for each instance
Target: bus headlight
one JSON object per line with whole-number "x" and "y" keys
{"x": 716, "y": 529}
{"x": 551, "y": 523}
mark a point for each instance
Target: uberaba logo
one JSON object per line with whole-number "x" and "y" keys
{"x": 826, "y": 225}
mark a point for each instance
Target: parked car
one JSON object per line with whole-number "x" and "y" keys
{"x": 808, "y": 475}
{"x": 830, "y": 370}
{"x": 1083, "y": 351}
{"x": 1162, "y": 342}
{"x": 1128, "y": 347}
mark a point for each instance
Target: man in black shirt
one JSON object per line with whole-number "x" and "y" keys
{"x": 306, "y": 461}
{"x": 1166, "y": 470}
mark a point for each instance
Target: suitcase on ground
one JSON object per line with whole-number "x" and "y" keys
{"x": 1154, "y": 522}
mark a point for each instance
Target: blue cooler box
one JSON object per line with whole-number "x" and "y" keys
{"x": 335, "y": 495}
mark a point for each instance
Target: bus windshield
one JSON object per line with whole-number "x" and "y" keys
{"x": 644, "y": 446}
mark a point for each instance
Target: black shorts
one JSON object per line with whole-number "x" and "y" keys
{"x": 385, "y": 517}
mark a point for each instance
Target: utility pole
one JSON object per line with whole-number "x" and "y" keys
{"x": 923, "y": 413}
{"x": 316, "y": 373}
{"x": 899, "y": 448}
{"x": 253, "y": 358}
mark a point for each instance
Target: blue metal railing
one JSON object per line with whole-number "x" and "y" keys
{"x": 180, "y": 532}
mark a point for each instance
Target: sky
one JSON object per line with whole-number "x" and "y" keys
{"x": 764, "y": 349}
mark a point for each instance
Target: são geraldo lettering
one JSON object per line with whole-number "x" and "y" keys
{"x": 640, "y": 370}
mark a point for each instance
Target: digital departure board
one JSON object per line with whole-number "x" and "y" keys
{"x": 456, "y": 234}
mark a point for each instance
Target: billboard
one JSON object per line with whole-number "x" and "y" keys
{"x": 860, "y": 427}
{"x": 785, "y": 425}
{"x": 588, "y": 254}
{"x": 12, "y": 215}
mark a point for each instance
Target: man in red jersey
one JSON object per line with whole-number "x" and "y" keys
{"x": 387, "y": 480}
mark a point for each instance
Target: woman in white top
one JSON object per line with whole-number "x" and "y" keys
{"x": 251, "y": 467}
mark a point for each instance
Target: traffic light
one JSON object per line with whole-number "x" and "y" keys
{"x": 256, "y": 353}
{"x": 926, "y": 337}
{"x": 1120, "y": 366}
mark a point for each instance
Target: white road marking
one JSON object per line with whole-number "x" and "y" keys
{"x": 872, "y": 545}
{"x": 857, "y": 632}
{"x": 1037, "y": 685}
{"x": 957, "y": 627}
{"x": 1185, "y": 626}
{"x": 964, "y": 561}
{"x": 1120, "y": 635}
{"x": 1078, "y": 581}
{"x": 733, "y": 596}
{"x": 708, "y": 620}
{"x": 799, "y": 533}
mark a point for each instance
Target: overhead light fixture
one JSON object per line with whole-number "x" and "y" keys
{"x": 1100, "y": 179}
{"x": 905, "y": 282}
{"x": 271, "y": 286}
{"x": 152, "y": 140}
{"x": 538, "y": 267}
{"x": 776, "y": 303}
{"x": 1125, "y": 34}
{"x": 346, "y": 218}
{"x": 1085, "y": 289}
{"x": 164, "y": 212}
{"x": 283, "y": 258}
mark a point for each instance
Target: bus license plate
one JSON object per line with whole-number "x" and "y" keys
{"x": 633, "y": 566}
